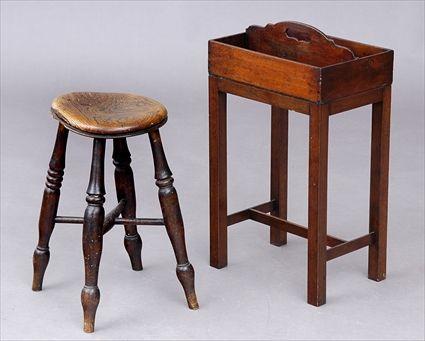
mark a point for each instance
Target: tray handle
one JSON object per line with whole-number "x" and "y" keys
{"x": 297, "y": 41}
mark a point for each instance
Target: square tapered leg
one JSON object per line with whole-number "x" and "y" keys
{"x": 317, "y": 203}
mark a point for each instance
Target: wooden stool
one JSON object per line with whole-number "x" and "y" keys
{"x": 115, "y": 116}
{"x": 293, "y": 66}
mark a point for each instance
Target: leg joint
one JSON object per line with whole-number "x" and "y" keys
{"x": 41, "y": 249}
{"x": 183, "y": 267}
{"x": 95, "y": 199}
{"x": 166, "y": 182}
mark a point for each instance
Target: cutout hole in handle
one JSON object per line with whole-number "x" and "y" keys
{"x": 298, "y": 35}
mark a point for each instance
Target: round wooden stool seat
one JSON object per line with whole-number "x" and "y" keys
{"x": 99, "y": 114}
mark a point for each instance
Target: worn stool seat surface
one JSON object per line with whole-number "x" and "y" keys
{"x": 101, "y": 114}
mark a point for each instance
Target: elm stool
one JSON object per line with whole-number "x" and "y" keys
{"x": 114, "y": 116}
{"x": 293, "y": 66}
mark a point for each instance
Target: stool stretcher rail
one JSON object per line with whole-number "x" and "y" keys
{"x": 111, "y": 216}
{"x": 118, "y": 221}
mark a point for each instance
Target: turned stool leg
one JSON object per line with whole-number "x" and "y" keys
{"x": 379, "y": 186}
{"x": 317, "y": 204}
{"x": 279, "y": 172}
{"x": 173, "y": 218}
{"x": 124, "y": 184}
{"x": 49, "y": 207}
{"x": 93, "y": 234}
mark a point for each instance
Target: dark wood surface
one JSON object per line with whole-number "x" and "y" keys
{"x": 261, "y": 95}
{"x": 118, "y": 221}
{"x": 173, "y": 218}
{"x": 350, "y": 246}
{"x": 317, "y": 203}
{"x": 259, "y": 215}
{"x": 279, "y": 172}
{"x": 124, "y": 184}
{"x": 112, "y": 216}
{"x": 49, "y": 207}
{"x": 363, "y": 74}
{"x": 264, "y": 71}
{"x": 292, "y": 66}
{"x": 93, "y": 234}
{"x": 355, "y": 101}
{"x": 378, "y": 215}
{"x": 99, "y": 114}
{"x": 243, "y": 215}
{"x": 114, "y": 116}
{"x": 218, "y": 174}
{"x": 300, "y": 61}
{"x": 299, "y": 42}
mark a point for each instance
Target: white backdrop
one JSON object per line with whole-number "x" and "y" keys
{"x": 159, "y": 49}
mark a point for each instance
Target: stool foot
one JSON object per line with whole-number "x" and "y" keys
{"x": 133, "y": 245}
{"x": 40, "y": 260}
{"x": 90, "y": 297}
{"x": 186, "y": 276}
{"x": 173, "y": 218}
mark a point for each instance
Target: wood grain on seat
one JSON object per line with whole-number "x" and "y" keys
{"x": 108, "y": 114}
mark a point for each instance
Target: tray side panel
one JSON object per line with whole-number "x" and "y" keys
{"x": 235, "y": 39}
{"x": 356, "y": 76}
{"x": 359, "y": 49}
{"x": 263, "y": 71}
{"x": 299, "y": 42}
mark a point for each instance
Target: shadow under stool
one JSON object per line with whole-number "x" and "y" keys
{"x": 113, "y": 116}
{"x": 293, "y": 66}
